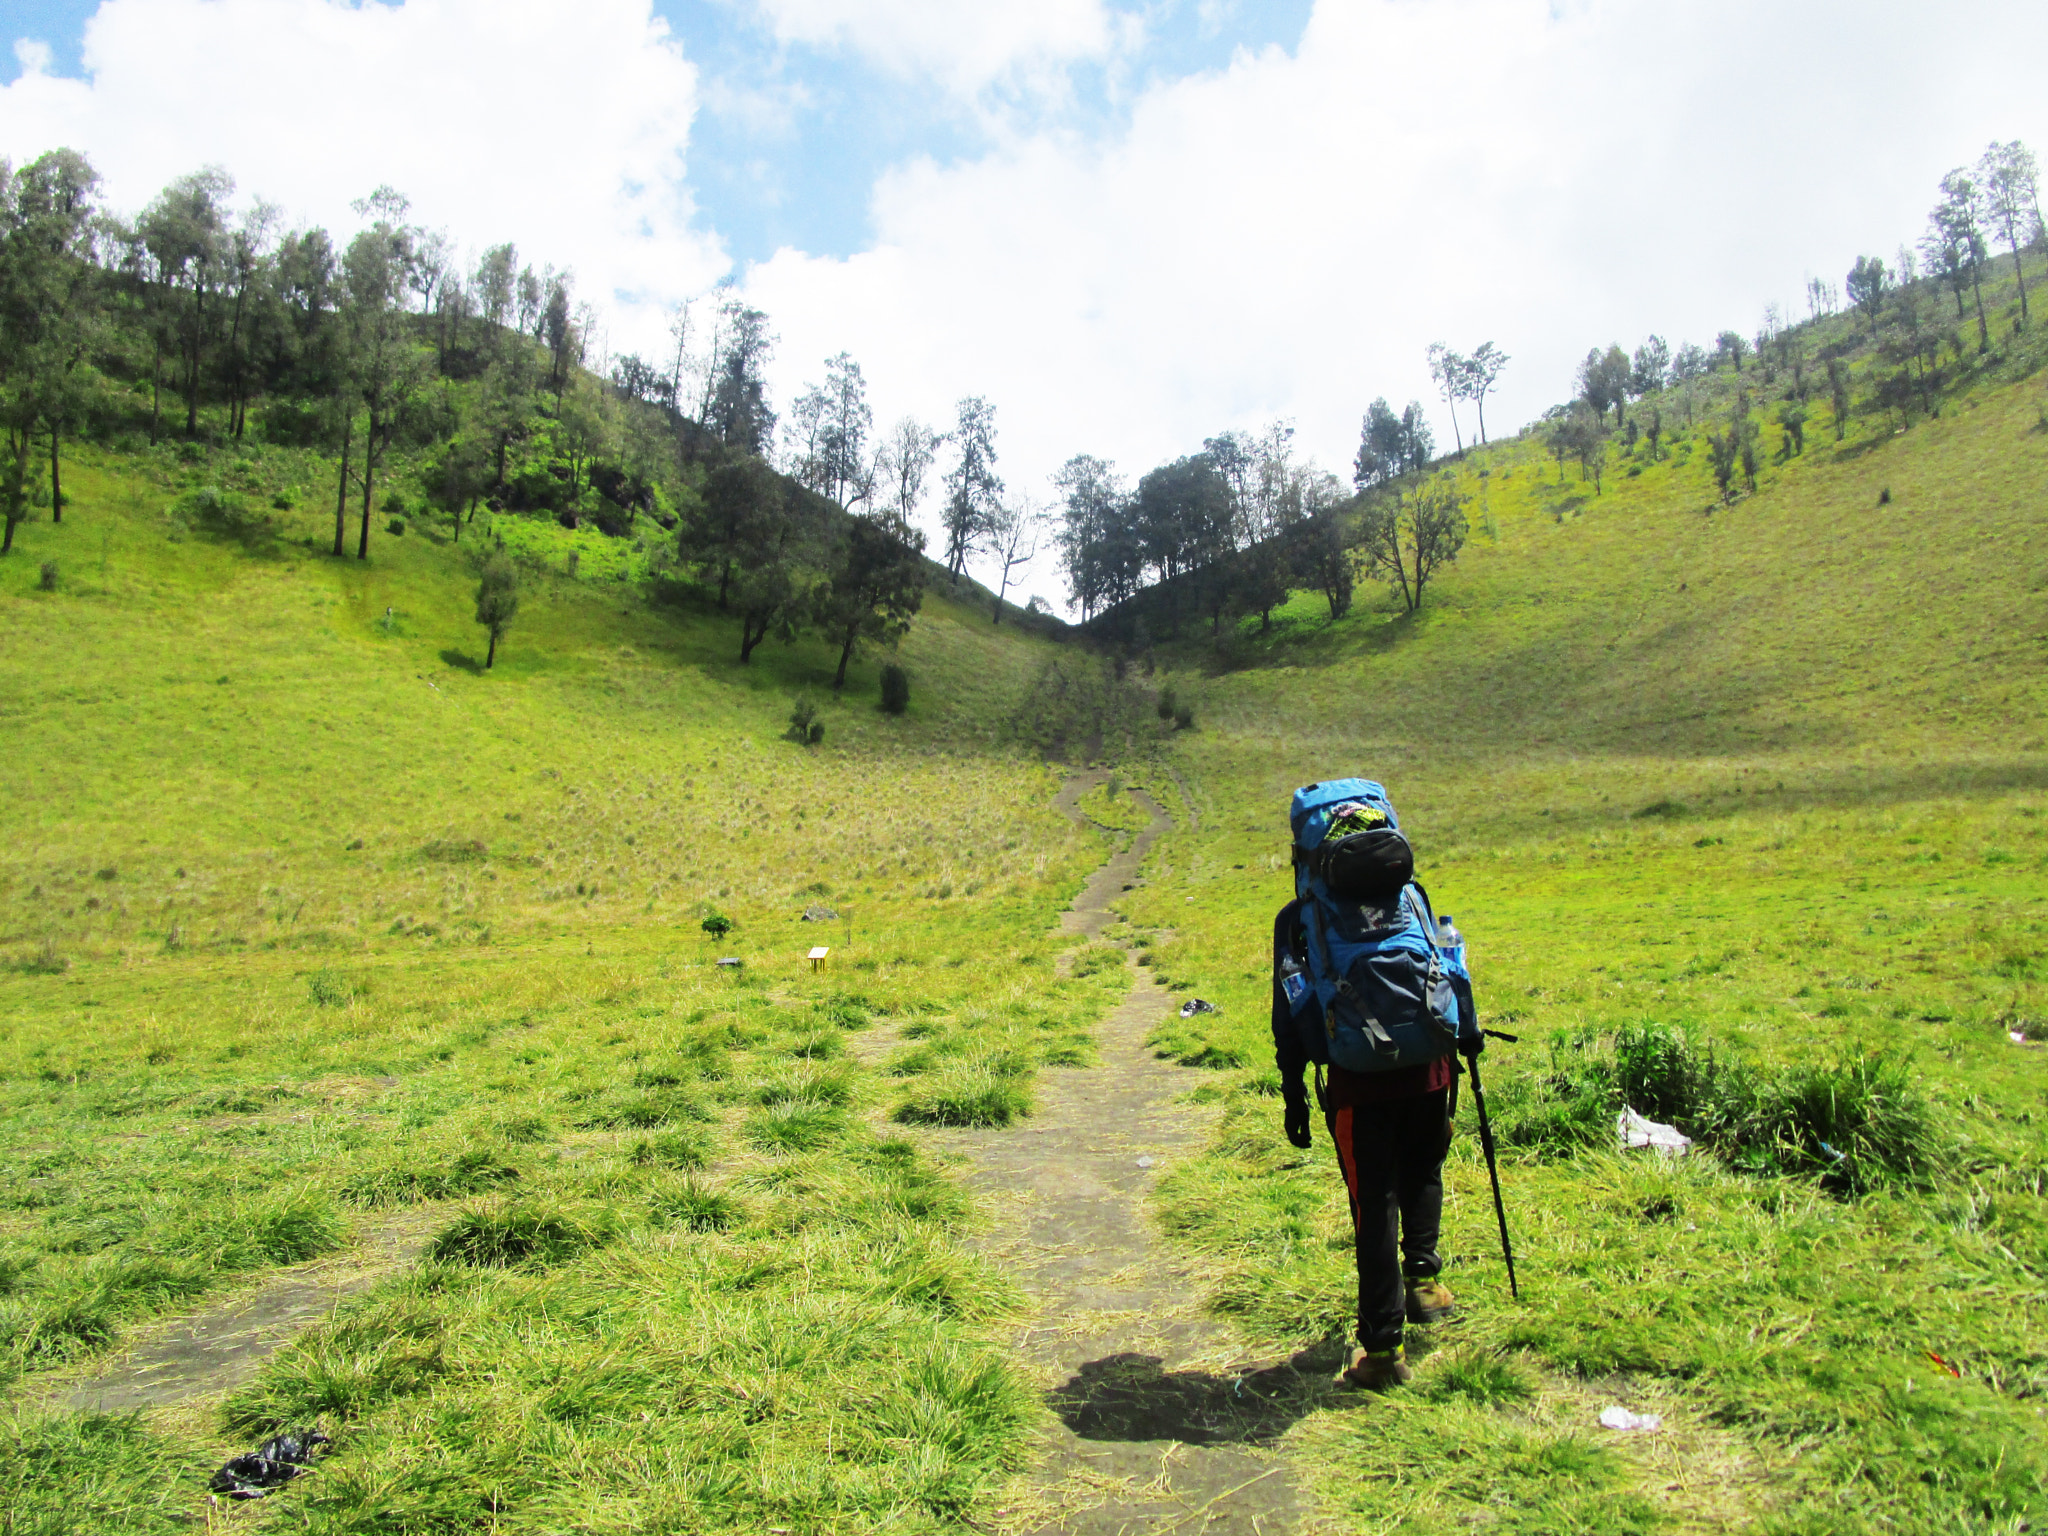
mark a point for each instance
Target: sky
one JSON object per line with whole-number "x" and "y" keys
{"x": 1129, "y": 224}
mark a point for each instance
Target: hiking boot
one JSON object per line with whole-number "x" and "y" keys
{"x": 1378, "y": 1370}
{"x": 1429, "y": 1301}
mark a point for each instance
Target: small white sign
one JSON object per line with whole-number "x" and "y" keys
{"x": 820, "y": 952}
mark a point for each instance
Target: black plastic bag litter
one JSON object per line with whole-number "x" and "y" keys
{"x": 276, "y": 1462}
{"x": 1195, "y": 1005}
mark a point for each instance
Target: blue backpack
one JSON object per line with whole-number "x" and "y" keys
{"x": 1367, "y": 951}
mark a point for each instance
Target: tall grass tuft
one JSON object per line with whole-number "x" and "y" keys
{"x": 408, "y": 1183}
{"x": 686, "y": 1202}
{"x": 109, "y": 1474}
{"x": 984, "y": 1090}
{"x": 1857, "y": 1122}
{"x": 685, "y": 1150}
{"x": 793, "y": 1125}
{"x": 531, "y": 1235}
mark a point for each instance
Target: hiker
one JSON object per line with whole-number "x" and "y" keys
{"x": 1369, "y": 988}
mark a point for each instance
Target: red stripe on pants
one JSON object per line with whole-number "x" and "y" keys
{"x": 1340, "y": 1132}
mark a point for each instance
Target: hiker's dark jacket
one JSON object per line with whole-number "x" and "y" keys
{"x": 1345, "y": 1087}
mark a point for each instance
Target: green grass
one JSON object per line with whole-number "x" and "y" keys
{"x": 320, "y": 923}
{"x": 308, "y": 923}
{"x": 1744, "y": 812}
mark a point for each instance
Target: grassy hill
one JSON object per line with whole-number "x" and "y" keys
{"x": 1742, "y": 810}
{"x": 311, "y": 923}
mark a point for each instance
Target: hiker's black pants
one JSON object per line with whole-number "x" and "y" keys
{"x": 1393, "y": 1159}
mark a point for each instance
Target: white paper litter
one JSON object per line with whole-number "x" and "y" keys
{"x": 1632, "y": 1130}
{"x": 1621, "y": 1419}
{"x": 1144, "y": 1162}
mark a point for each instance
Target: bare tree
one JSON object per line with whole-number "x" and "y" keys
{"x": 1482, "y": 371}
{"x": 1014, "y": 533}
{"x": 903, "y": 463}
{"x": 1448, "y": 369}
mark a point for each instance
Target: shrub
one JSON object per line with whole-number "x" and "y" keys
{"x": 717, "y": 924}
{"x": 289, "y": 1230}
{"x": 62, "y": 1472}
{"x": 1092, "y": 959}
{"x": 1860, "y": 1122}
{"x": 1184, "y": 717}
{"x": 807, "y": 1086}
{"x": 497, "y": 601}
{"x": 285, "y": 499}
{"x": 48, "y": 580}
{"x": 1857, "y": 1123}
{"x": 804, "y": 724}
{"x": 396, "y": 525}
{"x": 1166, "y": 703}
{"x": 1485, "y": 1379}
{"x": 47, "y": 960}
{"x": 343, "y": 1371}
{"x": 895, "y": 689}
{"x": 209, "y": 509}
{"x": 329, "y": 989}
{"x": 1666, "y": 1074}
{"x": 60, "y": 1329}
{"x": 848, "y": 1012}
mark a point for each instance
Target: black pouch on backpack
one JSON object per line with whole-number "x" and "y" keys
{"x": 1370, "y": 866}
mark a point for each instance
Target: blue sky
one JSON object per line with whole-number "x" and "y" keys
{"x": 790, "y": 137}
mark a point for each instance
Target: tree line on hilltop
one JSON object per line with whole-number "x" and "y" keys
{"x": 1236, "y": 527}
{"x": 437, "y": 389}
{"x": 1747, "y": 384}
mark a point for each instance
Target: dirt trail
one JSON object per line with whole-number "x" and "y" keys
{"x": 1163, "y": 1426}
{"x": 212, "y": 1351}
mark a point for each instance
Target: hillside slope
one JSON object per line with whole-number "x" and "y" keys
{"x": 1744, "y": 811}
{"x": 308, "y": 917}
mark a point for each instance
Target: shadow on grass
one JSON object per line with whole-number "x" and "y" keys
{"x": 1131, "y": 1397}
{"x": 462, "y": 661}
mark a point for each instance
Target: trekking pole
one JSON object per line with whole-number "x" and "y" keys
{"x": 1492, "y": 1171}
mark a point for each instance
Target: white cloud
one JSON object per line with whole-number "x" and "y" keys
{"x": 561, "y": 127}
{"x": 968, "y": 46}
{"x": 32, "y": 55}
{"x": 1284, "y": 237}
